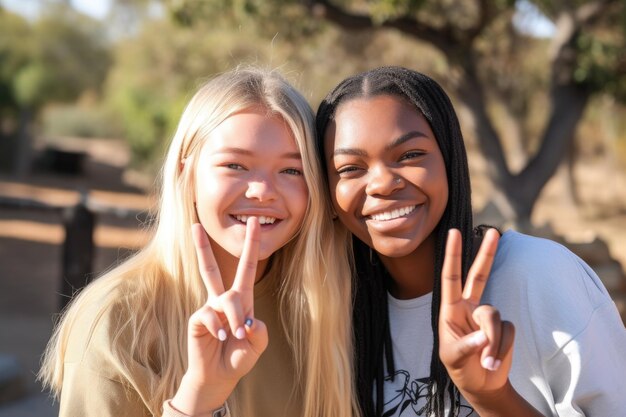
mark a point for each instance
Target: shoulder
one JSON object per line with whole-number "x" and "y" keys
{"x": 538, "y": 264}
{"x": 97, "y": 324}
{"x": 540, "y": 282}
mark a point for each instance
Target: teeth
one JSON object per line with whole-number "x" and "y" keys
{"x": 394, "y": 214}
{"x": 262, "y": 219}
{"x": 267, "y": 220}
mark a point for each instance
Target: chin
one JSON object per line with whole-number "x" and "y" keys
{"x": 395, "y": 250}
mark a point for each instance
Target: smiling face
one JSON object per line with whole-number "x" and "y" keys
{"x": 386, "y": 173}
{"x": 250, "y": 166}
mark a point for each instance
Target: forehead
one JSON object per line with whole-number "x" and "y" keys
{"x": 373, "y": 119}
{"x": 254, "y": 129}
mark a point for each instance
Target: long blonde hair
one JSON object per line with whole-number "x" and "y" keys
{"x": 160, "y": 286}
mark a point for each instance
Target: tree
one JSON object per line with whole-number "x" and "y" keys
{"x": 487, "y": 60}
{"x": 53, "y": 59}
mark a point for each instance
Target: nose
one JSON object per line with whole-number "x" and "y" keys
{"x": 261, "y": 189}
{"x": 383, "y": 181}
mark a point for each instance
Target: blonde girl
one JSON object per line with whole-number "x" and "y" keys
{"x": 181, "y": 328}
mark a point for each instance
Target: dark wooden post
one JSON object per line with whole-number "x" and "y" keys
{"x": 78, "y": 250}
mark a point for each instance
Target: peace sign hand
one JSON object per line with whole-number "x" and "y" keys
{"x": 475, "y": 346}
{"x": 217, "y": 360}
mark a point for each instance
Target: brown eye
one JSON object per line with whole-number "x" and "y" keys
{"x": 412, "y": 155}
{"x": 344, "y": 171}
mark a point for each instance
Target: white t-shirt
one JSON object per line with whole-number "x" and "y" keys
{"x": 569, "y": 357}
{"x": 412, "y": 342}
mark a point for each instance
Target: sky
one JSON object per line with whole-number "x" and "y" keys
{"x": 528, "y": 18}
{"x": 30, "y": 8}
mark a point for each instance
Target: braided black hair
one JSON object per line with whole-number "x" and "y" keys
{"x": 373, "y": 348}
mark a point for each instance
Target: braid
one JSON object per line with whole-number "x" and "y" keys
{"x": 370, "y": 314}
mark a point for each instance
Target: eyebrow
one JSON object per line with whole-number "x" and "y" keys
{"x": 241, "y": 151}
{"x": 396, "y": 142}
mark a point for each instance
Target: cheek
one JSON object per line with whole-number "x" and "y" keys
{"x": 438, "y": 183}
{"x": 297, "y": 196}
{"x": 344, "y": 195}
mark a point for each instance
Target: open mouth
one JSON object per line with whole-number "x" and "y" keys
{"x": 393, "y": 214}
{"x": 263, "y": 220}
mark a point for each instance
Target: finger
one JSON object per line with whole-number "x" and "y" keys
{"x": 451, "y": 285}
{"x": 467, "y": 346}
{"x": 256, "y": 331}
{"x": 481, "y": 267}
{"x": 206, "y": 319}
{"x": 506, "y": 342}
{"x": 488, "y": 319}
{"x": 246, "y": 270}
{"x": 209, "y": 271}
{"x": 230, "y": 305}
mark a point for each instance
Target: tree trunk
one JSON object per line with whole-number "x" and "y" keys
{"x": 24, "y": 148}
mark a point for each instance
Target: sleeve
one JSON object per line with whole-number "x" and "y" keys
{"x": 170, "y": 411}
{"x": 584, "y": 339}
{"x": 87, "y": 393}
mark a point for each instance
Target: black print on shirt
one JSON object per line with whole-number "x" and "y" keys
{"x": 409, "y": 397}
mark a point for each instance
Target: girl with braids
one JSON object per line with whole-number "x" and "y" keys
{"x": 429, "y": 339}
{"x": 179, "y": 329}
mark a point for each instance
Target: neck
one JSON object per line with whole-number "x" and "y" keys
{"x": 412, "y": 275}
{"x": 228, "y": 264}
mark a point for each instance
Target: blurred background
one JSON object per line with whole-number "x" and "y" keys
{"x": 91, "y": 91}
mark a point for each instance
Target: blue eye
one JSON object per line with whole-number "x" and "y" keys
{"x": 235, "y": 167}
{"x": 292, "y": 171}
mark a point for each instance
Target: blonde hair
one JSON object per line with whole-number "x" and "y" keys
{"x": 160, "y": 286}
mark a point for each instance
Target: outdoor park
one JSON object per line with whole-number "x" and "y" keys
{"x": 88, "y": 103}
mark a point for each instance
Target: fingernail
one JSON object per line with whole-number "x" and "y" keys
{"x": 248, "y": 323}
{"x": 496, "y": 364}
{"x": 478, "y": 339}
{"x": 488, "y": 363}
{"x": 240, "y": 333}
{"x": 221, "y": 334}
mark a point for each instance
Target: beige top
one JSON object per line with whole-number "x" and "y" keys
{"x": 92, "y": 386}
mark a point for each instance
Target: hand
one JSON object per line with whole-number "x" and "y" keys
{"x": 224, "y": 339}
{"x": 475, "y": 346}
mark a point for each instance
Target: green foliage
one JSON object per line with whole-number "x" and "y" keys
{"x": 16, "y": 48}
{"x": 29, "y": 85}
{"x": 54, "y": 59}
{"x": 79, "y": 120}
{"x": 602, "y": 64}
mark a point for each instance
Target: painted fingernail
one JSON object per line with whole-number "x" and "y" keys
{"x": 248, "y": 323}
{"x": 478, "y": 339}
{"x": 488, "y": 363}
{"x": 221, "y": 334}
{"x": 496, "y": 364}
{"x": 240, "y": 333}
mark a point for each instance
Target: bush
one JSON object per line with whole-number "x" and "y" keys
{"x": 80, "y": 121}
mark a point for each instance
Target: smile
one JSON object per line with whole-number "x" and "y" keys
{"x": 262, "y": 219}
{"x": 394, "y": 214}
